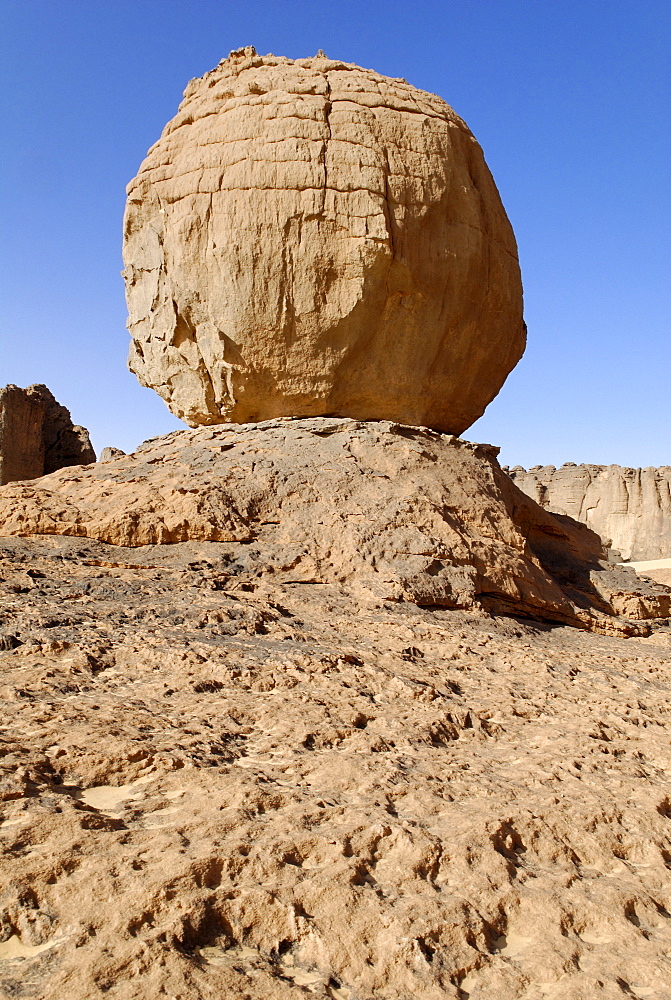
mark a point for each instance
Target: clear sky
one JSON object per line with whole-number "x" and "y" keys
{"x": 568, "y": 98}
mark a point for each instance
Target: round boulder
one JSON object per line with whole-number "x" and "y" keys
{"x": 311, "y": 238}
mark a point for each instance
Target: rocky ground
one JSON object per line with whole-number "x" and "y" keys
{"x": 214, "y": 788}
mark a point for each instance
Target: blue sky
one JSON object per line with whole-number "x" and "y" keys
{"x": 568, "y": 98}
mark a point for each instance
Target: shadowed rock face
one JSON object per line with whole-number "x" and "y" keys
{"x": 311, "y": 238}
{"x": 37, "y": 435}
{"x": 629, "y": 508}
{"x": 388, "y": 511}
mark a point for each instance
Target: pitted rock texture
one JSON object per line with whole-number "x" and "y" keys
{"x": 629, "y": 508}
{"x": 37, "y": 435}
{"x": 219, "y": 791}
{"x": 311, "y": 238}
{"x": 385, "y": 510}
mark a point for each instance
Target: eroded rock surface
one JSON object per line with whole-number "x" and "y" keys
{"x": 387, "y": 510}
{"x": 629, "y": 508}
{"x": 308, "y": 237}
{"x": 37, "y": 435}
{"x": 214, "y": 788}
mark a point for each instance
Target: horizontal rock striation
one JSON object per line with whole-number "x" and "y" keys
{"x": 388, "y": 511}
{"x": 629, "y": 508}
{"x": 312, "y": 238}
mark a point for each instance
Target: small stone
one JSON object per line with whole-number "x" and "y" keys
{"x": 108, "y": 454}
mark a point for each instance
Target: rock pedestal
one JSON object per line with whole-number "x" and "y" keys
{"x": 386, "y": 511}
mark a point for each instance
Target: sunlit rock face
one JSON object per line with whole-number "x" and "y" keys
{"x": 311, "y": 238}
{"x": 629, "y": 508}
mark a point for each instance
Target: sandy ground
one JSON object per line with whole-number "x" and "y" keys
{"x": 281, "y": 792}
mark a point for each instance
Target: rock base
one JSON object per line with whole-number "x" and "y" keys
{"x": 214, "y": 788}
{"x": 387, "y": 511}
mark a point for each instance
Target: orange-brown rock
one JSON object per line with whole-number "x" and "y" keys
{"x": 311, "y": 238}
{"x": 37, "y": 435}
{"x": 385, "y": 510}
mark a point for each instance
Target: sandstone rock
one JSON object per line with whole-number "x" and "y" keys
{"x": 65, "y": 443}
{"x": 387, "y": 511}
{"x": 311, "y": 238}
{"x": 629, "y": 508}
{"x": 107, "y": 454}
{"x": 213, "y": 791}
{"x": 21, "y": 441}
{"x": 37, "y": 435}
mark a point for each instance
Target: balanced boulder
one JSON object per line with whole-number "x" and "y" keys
{"x": 311, "y": 238}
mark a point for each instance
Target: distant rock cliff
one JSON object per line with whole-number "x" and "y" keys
{"x": 37, "y": 435}
{"x": 631, "y": 508}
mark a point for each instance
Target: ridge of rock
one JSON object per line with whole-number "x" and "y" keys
{"x": 388, "y": 511}
{"x": 629, "y": 508}
{"x": 312, "y": 238}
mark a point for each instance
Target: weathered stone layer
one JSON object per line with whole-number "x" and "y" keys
{"x": 385, "y": 510}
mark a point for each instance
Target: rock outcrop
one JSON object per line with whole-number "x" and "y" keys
{"x": 37, "y": 435}
{"x": 311, "y": 238}
{"x": 107, "y": 454}
{"x": 388, "y": 511}
{"x": 629, "y": 508}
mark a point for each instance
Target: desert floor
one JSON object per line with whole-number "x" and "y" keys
{"x": 261, "y": 793}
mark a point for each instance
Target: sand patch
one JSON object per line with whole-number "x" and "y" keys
{"x": 108, "y": 798}
{"x": 14, "y": 947}
{"x": 512, "y": 945}
{"x": 642, "y": 565}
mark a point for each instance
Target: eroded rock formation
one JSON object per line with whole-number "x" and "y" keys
{"x": 629, "y": 508}
{"x": 388, "y": 511}
{"x": 37, "y": 435}
{"x": 308, "y": 237}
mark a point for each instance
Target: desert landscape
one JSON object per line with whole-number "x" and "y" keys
{"x": 313, "y": 698}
